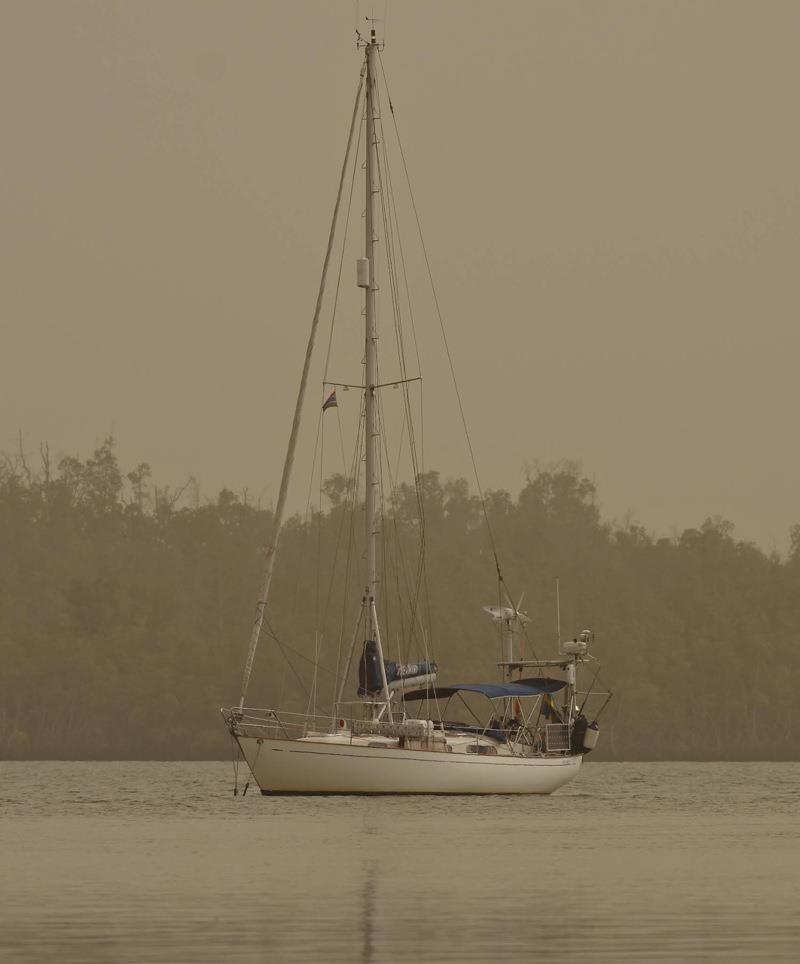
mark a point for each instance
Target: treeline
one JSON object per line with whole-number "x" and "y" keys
{"x": 125, "y": 611}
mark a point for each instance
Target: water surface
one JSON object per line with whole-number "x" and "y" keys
{"x": 158, "y": 862}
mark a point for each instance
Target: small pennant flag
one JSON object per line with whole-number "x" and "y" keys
{"x": 330, "y": 401}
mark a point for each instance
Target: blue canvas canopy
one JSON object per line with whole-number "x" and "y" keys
{"x": 493, "y": 691}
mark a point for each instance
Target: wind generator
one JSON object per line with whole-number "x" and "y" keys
{"x": 511, "y": 617}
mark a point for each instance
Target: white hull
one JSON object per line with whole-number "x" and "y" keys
{"x": 307, "y": 766}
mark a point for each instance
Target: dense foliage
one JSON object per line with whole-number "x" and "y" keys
{"x": 125, "y": 611}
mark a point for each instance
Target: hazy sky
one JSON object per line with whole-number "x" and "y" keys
{"x": 609, "y": 192}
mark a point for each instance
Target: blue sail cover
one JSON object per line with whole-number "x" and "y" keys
{"x": 370, "y": 680}
{"x": 493, "y": 691}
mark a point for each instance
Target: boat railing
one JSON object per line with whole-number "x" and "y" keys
{"x": 275, "y": 724}
{"x": 283, "y": 724}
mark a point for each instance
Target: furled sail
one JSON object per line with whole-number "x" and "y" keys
{"x": 398, "y": 675}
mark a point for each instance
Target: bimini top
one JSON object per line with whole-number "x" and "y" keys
{"x": 494, "y": 691}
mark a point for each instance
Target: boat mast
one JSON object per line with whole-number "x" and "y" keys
{"x": 371, "y": 365}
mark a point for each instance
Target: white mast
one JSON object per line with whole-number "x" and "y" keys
{"x": 371, "y": 431}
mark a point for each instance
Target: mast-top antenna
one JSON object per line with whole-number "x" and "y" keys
{"x": 373, "y": 33}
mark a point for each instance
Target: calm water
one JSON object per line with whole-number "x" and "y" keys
{"x": 157, "y": 862}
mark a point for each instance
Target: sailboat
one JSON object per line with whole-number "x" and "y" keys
{"x": 404, "y": 734}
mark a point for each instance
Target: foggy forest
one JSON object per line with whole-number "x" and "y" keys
{"x": 126, "y": 610}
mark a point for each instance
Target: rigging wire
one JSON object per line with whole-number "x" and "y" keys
{"x": 408, "y": 633}
{"x": 394, "y": 243}
{"x": 440, "y": 318}
{"x": 283, "y": 647}
{"x": 391, "y": 526}
{"x": 416, "y": 462}
{"x": 339, "y": 533}
{"x": 304, "y": 540}
{"x": 320, "y": 612}
{"x": 351, "y": 477}
{"x": 278, "y": 518}
{"x": 349, "y": 512}
{"x": 323, "y": 618}
{"x": 391, "y": 227}
{"x": 326, "y": 369}
{"x": 296, "y": 652}
{"x": 344, "y": 246}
